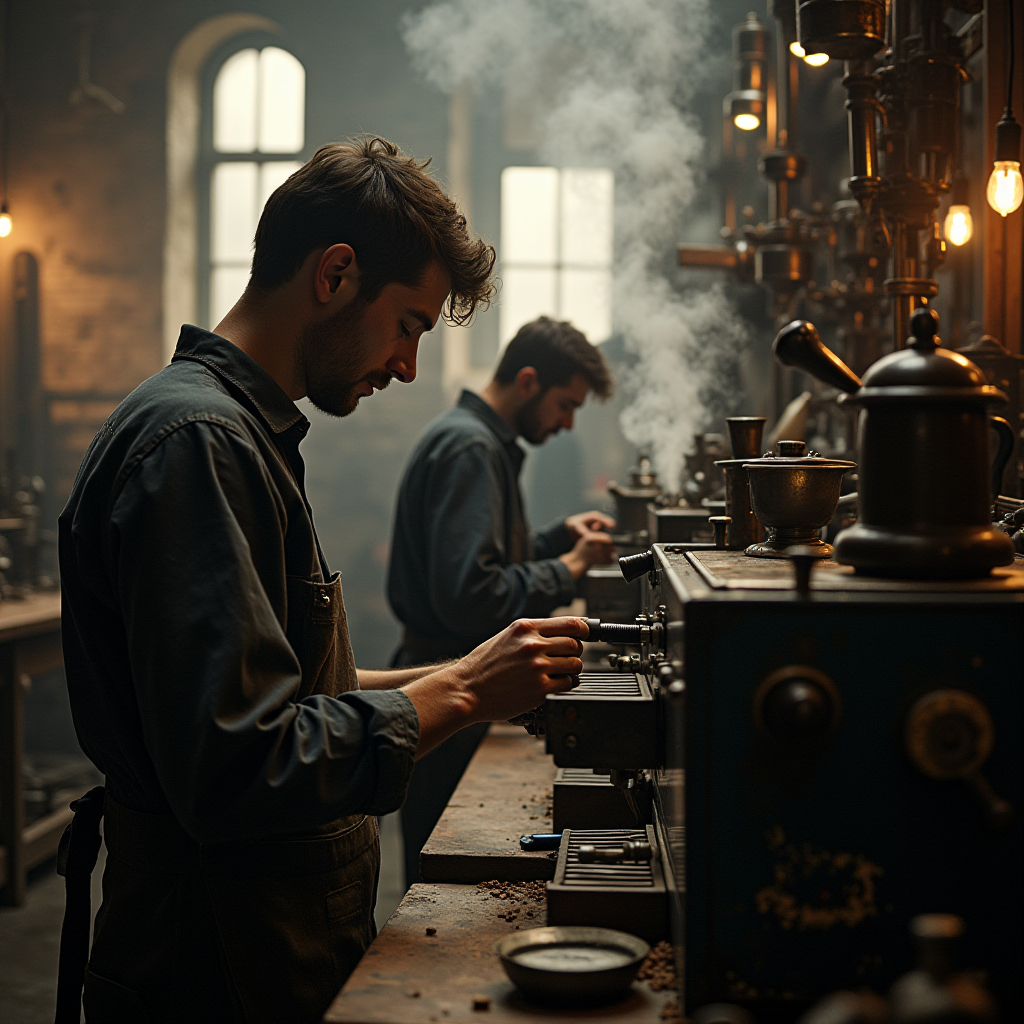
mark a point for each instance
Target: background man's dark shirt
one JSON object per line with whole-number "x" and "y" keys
{"x": 463, "y": 561}
{"x": 186, "y": 520}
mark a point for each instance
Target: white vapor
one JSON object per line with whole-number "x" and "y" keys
{"x": 626, "y": 73}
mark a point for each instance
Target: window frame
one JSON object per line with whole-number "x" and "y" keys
{"x": 209, "y": 157}
{"x": 557, "y": 266}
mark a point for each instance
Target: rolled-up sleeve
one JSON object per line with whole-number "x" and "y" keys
{"x": 473, "y": 592}
{"x": 196, "y": 549}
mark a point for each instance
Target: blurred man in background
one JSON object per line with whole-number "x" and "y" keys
{"x": 464, "y": 563}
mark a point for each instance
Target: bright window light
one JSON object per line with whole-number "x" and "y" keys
{"x": 259, "y": 101}
{"x": 556, "y": 248}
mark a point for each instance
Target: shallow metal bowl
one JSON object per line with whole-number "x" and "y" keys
{"x": 572, "y": 965}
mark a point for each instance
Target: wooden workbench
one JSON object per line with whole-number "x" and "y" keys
{"x": 29, "y": 645}
{"x": 505, "y": 792}
{"x": 411, "y": 977}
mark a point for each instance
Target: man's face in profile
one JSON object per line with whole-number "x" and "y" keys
{"x": 551, "y": 410}
{"x": 363, "y": 346}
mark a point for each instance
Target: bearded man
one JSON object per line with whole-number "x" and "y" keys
{"x": 208, "y": 659}
{"x": 464, "y": 563}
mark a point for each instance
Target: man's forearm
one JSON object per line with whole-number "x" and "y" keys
{"x": 392, "y": 678}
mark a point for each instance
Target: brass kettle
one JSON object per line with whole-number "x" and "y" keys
{"x": 923, "y": 441}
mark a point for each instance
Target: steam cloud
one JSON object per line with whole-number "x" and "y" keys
{"x": 618, "y": 78}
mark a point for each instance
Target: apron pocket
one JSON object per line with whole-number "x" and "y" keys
{"x": 108, "y": 1002}
{"x": 345, "y": 903}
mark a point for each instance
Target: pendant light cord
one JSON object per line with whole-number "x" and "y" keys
{"x": 1013, "y": 54}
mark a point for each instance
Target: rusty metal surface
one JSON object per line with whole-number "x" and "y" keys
{"x": 505, "y": 793}
{"x": 408, "y": 976}
{"x": 732, "y": 570}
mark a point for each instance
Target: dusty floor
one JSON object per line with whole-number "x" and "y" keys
{"x": 30, "y": 934}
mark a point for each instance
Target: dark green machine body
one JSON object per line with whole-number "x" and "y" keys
{"x": 798, "y": 863}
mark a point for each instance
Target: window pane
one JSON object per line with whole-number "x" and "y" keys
{"x": 234, "y": 104}
{"x": 233, "y": 211}
{"x": 226, "y": 285}
{"x": 526, "y": 293}
{"x": 586, "y": 234}
{"x": 529, "y": 204}
{"x": 282, "y": 102}
{"x": 586, "y": 301}
{"x": 272, "y": 174}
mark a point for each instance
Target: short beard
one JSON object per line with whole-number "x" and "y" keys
{"x": 527, "y": 422}
{"x": 334, "y": 353}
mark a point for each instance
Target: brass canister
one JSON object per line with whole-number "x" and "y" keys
{"x": 745, "y": 435}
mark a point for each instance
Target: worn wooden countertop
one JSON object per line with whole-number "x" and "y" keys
{"x": 505, "y": 792}
{"x": 410, "y": 977}
{"x": 39, "y": 613}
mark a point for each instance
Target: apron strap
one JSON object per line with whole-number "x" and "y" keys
{"x": 76, "y": 858}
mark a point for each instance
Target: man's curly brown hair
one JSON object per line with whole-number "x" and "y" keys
{"x": 368, "y": 194}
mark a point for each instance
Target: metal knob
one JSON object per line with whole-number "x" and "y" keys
{"x": 797, "y": 705}
{"x": 803, "y": 559}
{"x": 634, "y": 566}
{"x": 721, "y": 527}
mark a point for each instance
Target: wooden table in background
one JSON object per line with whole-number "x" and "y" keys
{"x": 29, "y": 645}
{"x": 504, "y": 793}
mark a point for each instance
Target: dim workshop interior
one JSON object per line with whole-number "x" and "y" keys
{"x": 744, "y": 744}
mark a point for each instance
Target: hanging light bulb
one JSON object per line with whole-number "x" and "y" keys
{"x": 959, "y": 224}
{"x": 6, "y": 224}
{"x": 747, "y": 122}
{"x": 1005, "y": 186}
{"x": 1005, "y": 190}
{"x": 816, "y": 60}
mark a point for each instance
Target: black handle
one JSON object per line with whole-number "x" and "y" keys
{"x": 1007, "y": 441}
{"x": 799, "y": 344}
{"x": 633, "y": 567}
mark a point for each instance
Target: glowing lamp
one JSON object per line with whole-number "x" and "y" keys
{"x": 747, "y": 122}
{"x": 6, "y": 224}
{"x": 1005, "y": 186}
{"x": 958, "y": 225}
{"x": 1005, "y": 190}
{"x": 816, "y": 60}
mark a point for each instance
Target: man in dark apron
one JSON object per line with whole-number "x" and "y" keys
{"x": 207, "y": 652}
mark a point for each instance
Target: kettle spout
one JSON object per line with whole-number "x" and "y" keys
{"x": 798, "y": 344}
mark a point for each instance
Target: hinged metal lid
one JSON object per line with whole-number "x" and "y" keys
{"x": 925, "y": 364}
{"x": 794, "y": 453}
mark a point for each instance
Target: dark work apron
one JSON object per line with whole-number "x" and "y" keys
{"x": 262, "y": 931}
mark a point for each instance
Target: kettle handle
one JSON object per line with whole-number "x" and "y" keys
{"x": 1007, "y": 441}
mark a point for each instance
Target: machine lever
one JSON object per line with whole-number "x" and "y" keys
{"x": 633, "y": 567}
{"x": 799, "y": 344}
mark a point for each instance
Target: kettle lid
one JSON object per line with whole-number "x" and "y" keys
{"x": 924, "y": 363}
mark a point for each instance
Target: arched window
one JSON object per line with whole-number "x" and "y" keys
{"x": 257, "y": 132}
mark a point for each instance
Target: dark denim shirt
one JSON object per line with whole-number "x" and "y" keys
{"x": 186, "y": 520}
{"x": 463, "y": 561}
